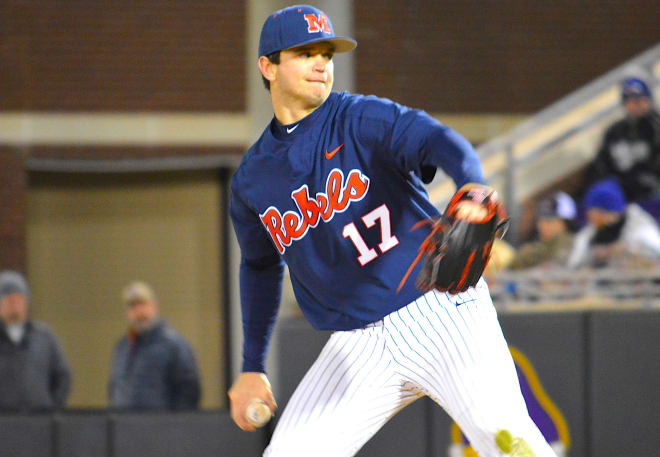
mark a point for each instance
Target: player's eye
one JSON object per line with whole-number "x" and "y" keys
{"x": 328, "y": 55}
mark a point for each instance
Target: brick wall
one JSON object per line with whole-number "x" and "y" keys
{"x": 123, "y": 55}
{"x": 453, "y": 56}
{"x": 12, "y": 209}
{"x": 131, "y": 152}
{"x": 505, "y": 56}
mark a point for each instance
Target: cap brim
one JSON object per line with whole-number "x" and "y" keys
{"x": 634, "y": 96}
{"x": 340, "y": 43}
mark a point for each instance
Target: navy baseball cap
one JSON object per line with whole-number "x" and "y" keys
{"x": 299, "y": 25}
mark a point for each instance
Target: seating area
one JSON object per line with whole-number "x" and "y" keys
{"x": 565, "y": 289}
{"x": 551, "y": 149}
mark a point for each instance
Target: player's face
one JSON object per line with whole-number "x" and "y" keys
{"x": 305, "y": 75}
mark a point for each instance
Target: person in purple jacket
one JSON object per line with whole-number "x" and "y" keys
{"x": 333, "y": 187}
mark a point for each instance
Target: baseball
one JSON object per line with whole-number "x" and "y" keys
{"x": 258, "y": 413}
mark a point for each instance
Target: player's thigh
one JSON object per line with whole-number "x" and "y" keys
{"x": 450, "y": 347}
{"x": 343, "y": 400}
{"x": 481, "y": 364}
{"x": 482, "y": 393}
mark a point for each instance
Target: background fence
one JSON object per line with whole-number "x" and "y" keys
{"x": 600, "y": 368}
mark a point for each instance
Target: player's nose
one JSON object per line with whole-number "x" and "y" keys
{"x": 320, "y": 62}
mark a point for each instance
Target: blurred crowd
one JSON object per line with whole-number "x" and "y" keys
{"x": 152, "y": 366}
{"x": 611, "y": 222}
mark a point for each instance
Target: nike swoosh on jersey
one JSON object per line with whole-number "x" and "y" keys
{"x": 330, "y": 155}
{"x": 289, "y": 130}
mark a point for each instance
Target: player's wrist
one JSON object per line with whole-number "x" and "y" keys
{"x": 253, "y": 368}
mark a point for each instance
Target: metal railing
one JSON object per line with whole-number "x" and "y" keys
{"x": 607, "y": 287}
{"x": 547, "y": 146}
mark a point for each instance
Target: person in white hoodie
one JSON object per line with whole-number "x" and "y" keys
{"x": 617, "y": 233}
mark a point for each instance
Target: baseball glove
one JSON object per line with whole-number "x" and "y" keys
{"x": 458, "y": 248}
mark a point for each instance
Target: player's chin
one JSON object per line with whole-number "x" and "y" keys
{"x": 323, "y": 86}
{"x": 317, "y": 95}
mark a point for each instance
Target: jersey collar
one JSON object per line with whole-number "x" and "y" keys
{"x": 288, "y": 132}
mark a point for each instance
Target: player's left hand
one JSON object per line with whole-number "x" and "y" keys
{"x": 469, "y": 209}
{"x": 247, "y": 387}
{"x": 458, "y": 249}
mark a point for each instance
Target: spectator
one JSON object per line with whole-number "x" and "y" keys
{"x": 630, "y": 149}
{"x": 34, "y": 374}
{"x": 554, "y": 224}
{"x": 502, "y": 255}
{"x": 153, "y": 366}
{"x": 617, "y": 234}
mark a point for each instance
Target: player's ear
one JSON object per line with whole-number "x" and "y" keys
{"x": 267, "y": 68}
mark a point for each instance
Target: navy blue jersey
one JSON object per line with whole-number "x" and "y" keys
{"x": 335, "y": 196}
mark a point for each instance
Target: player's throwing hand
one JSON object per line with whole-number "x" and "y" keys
{"x": 248, "y": 387}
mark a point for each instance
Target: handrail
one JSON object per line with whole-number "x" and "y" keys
{"x": 532, "y": 139}
{"x": 618, "y": 287}
{"x": 612, "y": 78}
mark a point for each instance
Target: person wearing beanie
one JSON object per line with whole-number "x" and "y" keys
{"x": 630, "y": 149}
{"x": 555, "y": 216}
{"x": 34, "y": 373}
{"x": 617, "y": 234}
{"x": 153, "y": 367}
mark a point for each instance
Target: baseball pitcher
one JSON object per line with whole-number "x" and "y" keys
{"x": 334, "y": 188}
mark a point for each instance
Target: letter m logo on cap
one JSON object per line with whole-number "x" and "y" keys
{"x": 317, "y": 24}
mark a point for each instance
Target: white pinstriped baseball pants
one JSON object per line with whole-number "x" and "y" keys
{"x": 449, "y": 347}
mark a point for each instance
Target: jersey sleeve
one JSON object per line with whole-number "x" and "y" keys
{"x": 417, "y": 143}
{"x": 261, "y": 274}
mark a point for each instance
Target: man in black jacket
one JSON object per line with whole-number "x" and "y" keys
{"x": 631, "y": 146}
{"x": 153, "y": 366}
{"x": 34, "y": 374}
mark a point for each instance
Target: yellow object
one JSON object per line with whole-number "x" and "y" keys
{"x": 501, "y": 256}
{"x": 504, "y": 441}
{"x": 514, "y": 447}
